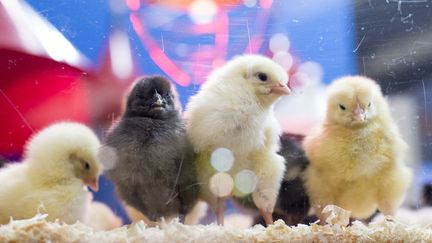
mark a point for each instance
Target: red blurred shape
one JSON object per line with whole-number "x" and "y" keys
{"x": 34, "y": 92}
{"x": 107, "y": 90}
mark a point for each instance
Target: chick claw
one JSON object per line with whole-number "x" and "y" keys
{"x": 265, "y": 199}
{"x": 268, "y": 216}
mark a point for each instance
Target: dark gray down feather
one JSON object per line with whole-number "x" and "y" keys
{"x": 154, "y": 172}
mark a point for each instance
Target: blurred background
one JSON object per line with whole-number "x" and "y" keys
{"x": 73, "y": 60}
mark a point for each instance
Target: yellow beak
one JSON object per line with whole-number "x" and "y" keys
{"x": 280, "y": 89}
{"x": 92, "y": 183}
{"x": 358, "y": 114}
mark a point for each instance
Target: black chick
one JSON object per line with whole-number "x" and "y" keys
{"x": 154, "y": 170}
{"x": 293, "y": 202}
{"x": 427, "y": 194}
{"x": 2, "y": 161}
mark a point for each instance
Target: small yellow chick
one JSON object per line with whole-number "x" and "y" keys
{"x": 231, "y": 118}
{"x": 357, "y": 154}
{"x": 58, "y": 162}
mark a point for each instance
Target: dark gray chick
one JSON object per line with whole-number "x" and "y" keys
{"x": 154, "y": 170}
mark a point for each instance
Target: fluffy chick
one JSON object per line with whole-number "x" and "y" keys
{"x": 357, "y": 154}
{"x": 58, "y": 162}
{"x": 154, "y": 171}
{"x": 293, "y": 202}
{"x": 234, "y": 110}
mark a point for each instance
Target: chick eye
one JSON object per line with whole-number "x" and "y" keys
{"x": 369, "y": 104}
{"x": 86, "y": 166}
{"x": 262, "y": 76}
{"x": 156, "y": 95}
{"x": 342, "y": 107}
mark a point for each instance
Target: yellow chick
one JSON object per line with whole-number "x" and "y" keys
{"x": 58, "y": 162}
{"x": 231, "y": 118}
{"x": 357, "y": 154}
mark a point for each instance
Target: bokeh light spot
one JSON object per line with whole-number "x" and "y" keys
{"x": 313, "y": 70}
{"x": 221, "y": 184}
{"x": 222, "y": 159}
{"x": 203, "y": 11}
{"x": 284, "y": 59}
{"x": 246, "y": 181}
{"x": 279, "y": 42}
{"x": 107, "y": 156}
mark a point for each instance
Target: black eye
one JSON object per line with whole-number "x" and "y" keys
{"x": 86, "y": 166}
{"x": 369, "y": 104}
{"x": 156, "y": 94}
{"x": 342, "y": 107}
{"x": 262, "y": 76}
{"x": 141, "y": 98}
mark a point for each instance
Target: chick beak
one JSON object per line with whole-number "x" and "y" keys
{"x": 358, "y": 114}
{"x": 280, "y": 89}
{"x": 92, "y": 183}
{"x": 159, "y": 101}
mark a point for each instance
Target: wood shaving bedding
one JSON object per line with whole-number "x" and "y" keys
{"x": 37, "y": 229}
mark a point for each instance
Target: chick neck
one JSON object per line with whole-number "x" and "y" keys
{"x": 166, "y": 115}
{"x": 267, "y": 100}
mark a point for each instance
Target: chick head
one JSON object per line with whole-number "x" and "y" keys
{"x": 65, "y": 150}
{"x": 353, "y": 101}
{"x": 151, "y": 97}
{"x": 264, "y": 77}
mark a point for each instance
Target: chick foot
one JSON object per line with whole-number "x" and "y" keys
{"x": 267, "y": 216}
